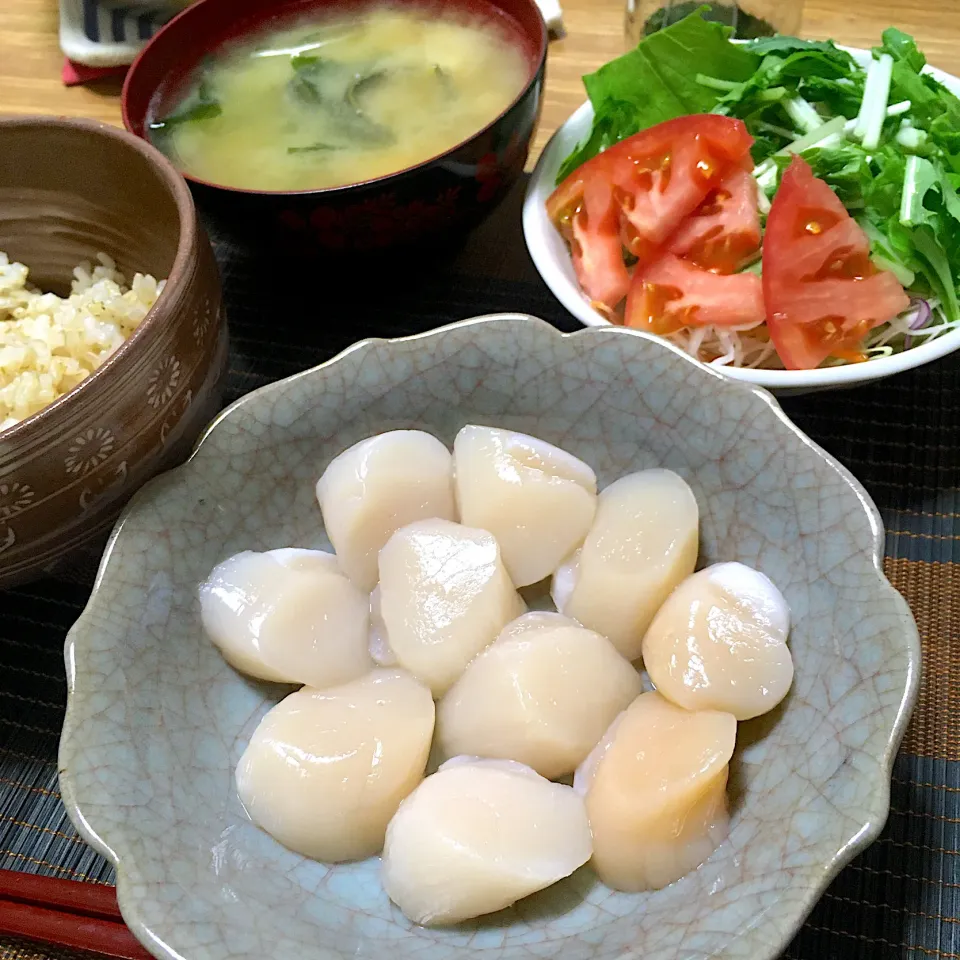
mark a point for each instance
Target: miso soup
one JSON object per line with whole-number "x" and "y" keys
{"x": 343, "y": 99}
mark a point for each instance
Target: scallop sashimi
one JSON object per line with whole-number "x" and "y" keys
{"x": 378, "y": 646}
{"x": 720, "y": 643}
{"x": 643, "y": 542}
{"x": 534, "y": 621}
{"x": 542, "y": 696}
{"x": 289, "y": 616}
{"x": 377, "y": 486}
{"x": 479, "y": 835}
{"x": 655, "y": 790}
{"x": 536, "y": 499}
{"x": 444, "y": 595}
{"x": 326, "y": 770}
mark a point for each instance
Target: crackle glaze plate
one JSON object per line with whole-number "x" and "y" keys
{"x": 157, "y": 720}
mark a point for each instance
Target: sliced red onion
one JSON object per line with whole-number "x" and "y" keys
{"x": 923, "y": 315}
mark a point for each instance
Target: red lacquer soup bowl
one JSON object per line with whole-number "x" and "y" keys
{"x": 445, "y": 195}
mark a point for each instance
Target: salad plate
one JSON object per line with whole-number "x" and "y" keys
{"x": 551, "y": 256}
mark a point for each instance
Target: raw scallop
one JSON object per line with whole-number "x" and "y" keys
{"x": 543, "y": 693}
{"x": 377, "y": 486}
{"x": 655, "y": 792}
{"x": 288, "y": 616}
{"x": 536, "y": 499}
{"x": 479, "y": 835}
{"x": 643, "y": 542}
{"x": 444, "y": 595}
{"x": 720, "y": 643}
{"x": 326, "y": 770}
{"x": 535, "y": 621}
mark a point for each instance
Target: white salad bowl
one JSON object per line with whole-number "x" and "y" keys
{"x": 552, "y": 259}
{"x": 156, "y": 719}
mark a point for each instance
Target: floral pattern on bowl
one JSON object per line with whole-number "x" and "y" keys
{"x": 67, "y": 471}
{"x": 156, "y": 720}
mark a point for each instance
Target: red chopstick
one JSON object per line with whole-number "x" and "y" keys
{"x": 67, "y": 913}
{"x": 69, "y": 896}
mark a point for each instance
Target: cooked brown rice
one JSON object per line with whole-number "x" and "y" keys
{"x": 48, "y": 344}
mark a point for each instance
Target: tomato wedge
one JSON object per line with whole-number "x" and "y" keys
{"x": 645, "y": 186}
{"x": 822, "y": 292}
{"x": 593, "y": 232}
{"x": 671, "y": 293}
{"x": 724, "y": 231}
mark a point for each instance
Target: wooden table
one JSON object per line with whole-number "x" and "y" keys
{"x": 30, "y": 59}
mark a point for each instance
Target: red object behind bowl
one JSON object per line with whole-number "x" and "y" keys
{"x": 448, "y": 192}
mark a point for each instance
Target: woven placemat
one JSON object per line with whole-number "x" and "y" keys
{"x": 901, "y": 438}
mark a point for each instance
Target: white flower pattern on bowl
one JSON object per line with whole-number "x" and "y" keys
{"x": 162, "y": 382}
{"x": 89, "y": 450}
{"x": 14, "y": 498}
{"x": 202, "y": 319}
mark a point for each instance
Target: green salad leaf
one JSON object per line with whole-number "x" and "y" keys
{"x": 937, "y": 269}
{"x": 845, "y": 168}
{"x": 932, "y": 104}
{"x": 950, "y": 191}
{"x": 920, "y": 177}
{"x": 908, "y": 208}
{"x": 656, "y": 81}
{"x": 903, "y": 48}
{"x": 886, "y": 139}
{"x": 782, "y": 45}
{"x": 794, "y": 91}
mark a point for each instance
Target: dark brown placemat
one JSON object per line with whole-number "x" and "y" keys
{"x": 901, "y": 438}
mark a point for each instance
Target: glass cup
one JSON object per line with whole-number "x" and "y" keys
{"x": 748, "y": 18}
